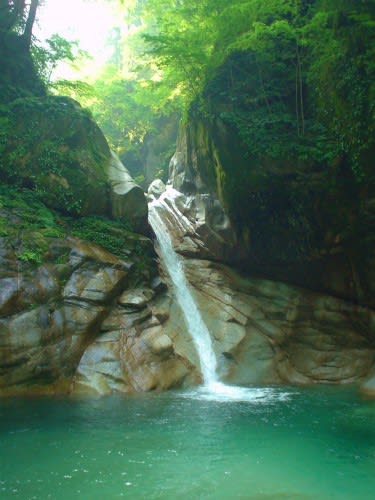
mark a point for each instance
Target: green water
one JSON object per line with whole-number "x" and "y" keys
{"x": 282, "y": 444}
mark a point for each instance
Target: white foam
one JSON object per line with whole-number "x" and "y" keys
{"x": 223, "y": 393}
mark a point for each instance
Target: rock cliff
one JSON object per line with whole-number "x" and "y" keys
{"x": 66, "y": 252}
{"x": 266, "y": 331}
{"x": 307, "y": 224}
{"x": 57, "y": 291}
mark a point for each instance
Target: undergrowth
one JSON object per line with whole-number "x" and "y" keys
{"x": 30, "y": 226}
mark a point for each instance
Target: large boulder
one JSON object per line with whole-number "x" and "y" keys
{"x": 197, "y": 225}
{"x": 52, "y": 145}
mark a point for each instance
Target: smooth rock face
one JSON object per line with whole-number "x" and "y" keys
{"x": 197, "y": 225}
{"x": 49, "y": 314}
{"x": 269, "y": 332}
{"x": 134, "y": 353}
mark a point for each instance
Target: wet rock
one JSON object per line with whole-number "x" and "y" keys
{"x": 157, "y": 341}
{"x": 156, "y": 189}
{"x": 128, "y": 361}
{"x": 94, "y": 285}
{"x": 276, "y": 333}
{"x": 158, "y": 285}
{"x": 120, "y": 318}
{"x": 197, "y": 225}
{"x": 136, "y": 298}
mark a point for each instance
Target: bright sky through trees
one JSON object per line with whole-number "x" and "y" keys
{"x": 88, "y": 21}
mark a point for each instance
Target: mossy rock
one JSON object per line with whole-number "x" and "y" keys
{"x": 52, "y": 145}
{"x": 30, "y": 228}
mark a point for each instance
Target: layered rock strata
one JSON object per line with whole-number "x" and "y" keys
{"x": 267, "y": 331}
{"x": 51, "y": 314}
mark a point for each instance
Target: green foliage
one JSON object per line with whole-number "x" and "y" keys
{"x": 29, "y": 255}
{"x": 81, "y": 91}
{"x": 341, "y": 44}
{"x": 129, "y": 112}
{"x": 110, "y": 234}
{"x": 123, "y": 120}
{"x": 295, "y": 78}
{"x": 28, "y": 223}
{"x": 117, "y": 238}
{"x": 3, "y": 227}
{"x": 30, "y": 227}
{"x": 46, "y": 57}
{"x": 28, "y": 210}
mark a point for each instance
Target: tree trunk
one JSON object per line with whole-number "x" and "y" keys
{"x": 301, "y": 91}
{"x": 30, "y": 22}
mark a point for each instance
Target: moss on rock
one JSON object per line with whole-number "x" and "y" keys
{"x": 52, "y": 145}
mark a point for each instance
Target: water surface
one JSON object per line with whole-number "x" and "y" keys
{"x": 315, "y": 443}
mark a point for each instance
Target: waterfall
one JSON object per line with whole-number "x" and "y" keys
{"x": 213, "y": 389}
{"x": 193, "y": 319}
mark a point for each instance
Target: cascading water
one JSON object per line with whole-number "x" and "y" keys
{"x": 212, "y": 389}
{"x": 193, "y": 318}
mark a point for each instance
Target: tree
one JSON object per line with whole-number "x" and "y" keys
{"x": 27, "y": 34}
{"x": 55, "y": 50}
{"x": 18, "y": 16}
{"x": 18, "y": 76}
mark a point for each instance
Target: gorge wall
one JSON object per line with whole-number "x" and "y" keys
{"x": 264, "y": 330}
{"x": 79, "y": 318}
{"x": 279, "y": 252}
{"x": 299, "y": 240}
{"x": 294, "y": 221}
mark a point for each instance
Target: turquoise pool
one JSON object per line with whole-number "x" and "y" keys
{"x": 278, "y": 443}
